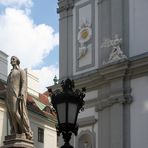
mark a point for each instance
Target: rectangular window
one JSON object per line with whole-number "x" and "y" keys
{"x": 41, "y": 135}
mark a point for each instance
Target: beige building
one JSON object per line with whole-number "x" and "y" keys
{"x": 41, "y": 116}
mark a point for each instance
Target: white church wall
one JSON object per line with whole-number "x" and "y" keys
{"x": 138, "y": 26}
{"x": 91, "y": 95}
{"x": 139, "y": 113}
{"x": 87, "y": 112}
{"x": 90, "y": 123}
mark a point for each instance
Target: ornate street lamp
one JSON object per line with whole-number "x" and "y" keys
{"x": 67, "y": 104}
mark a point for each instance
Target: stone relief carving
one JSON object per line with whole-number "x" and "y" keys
{"x": 116, "y": 52}
{"x": 84, "y": 35}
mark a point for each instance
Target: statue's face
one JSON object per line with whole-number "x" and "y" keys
{"x": 13, "y": 61}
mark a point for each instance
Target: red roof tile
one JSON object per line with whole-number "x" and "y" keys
{"x": 44, "y": 99}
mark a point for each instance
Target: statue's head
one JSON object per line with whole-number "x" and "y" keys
{"x": 15, "y": 60}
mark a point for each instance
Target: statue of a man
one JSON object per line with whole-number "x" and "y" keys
{"x": 16, "y": 100}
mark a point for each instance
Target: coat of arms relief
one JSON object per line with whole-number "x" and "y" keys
{"x": 84, "y": 36}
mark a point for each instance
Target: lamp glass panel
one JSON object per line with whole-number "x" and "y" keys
{"x": 72, "y": 110}
{"x": 61, "y": 110}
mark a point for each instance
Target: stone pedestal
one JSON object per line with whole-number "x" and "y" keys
{"x": 17, "y": 141}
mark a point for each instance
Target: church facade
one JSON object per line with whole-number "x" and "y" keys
{"x": 103, "y": 47}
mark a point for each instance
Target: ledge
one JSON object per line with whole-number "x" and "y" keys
{"x": 112, "y": 81}
{"x": 87, "y": 121}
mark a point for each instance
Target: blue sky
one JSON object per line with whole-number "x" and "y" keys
{"x": 29, "y": 29}
{"x": 45, "y": 12}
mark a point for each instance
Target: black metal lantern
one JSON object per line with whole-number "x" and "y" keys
{"x": 67, "y": 104}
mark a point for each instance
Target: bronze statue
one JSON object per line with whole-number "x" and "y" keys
{"x": 16, "y": 100}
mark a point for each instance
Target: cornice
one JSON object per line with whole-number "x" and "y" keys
{"x": 103, "y": 75}
{"x": 132, "y": 68}
{"x": 108, "y": 102}
{"x": 91, "y": 120}
{"x": 3, "y": 53}
{"x": 116, "y": 76}
{"x": 65, "y": 5}
{"x": 114, "y": 70}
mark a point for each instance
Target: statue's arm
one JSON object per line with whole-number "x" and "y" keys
{"x": 23, "y": 82}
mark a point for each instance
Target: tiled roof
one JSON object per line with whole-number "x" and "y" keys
{"x": 44, "y": 99}
{"x": 40, "y": 104}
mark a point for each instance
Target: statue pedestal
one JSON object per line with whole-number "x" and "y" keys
{"x": 17, "y": 141}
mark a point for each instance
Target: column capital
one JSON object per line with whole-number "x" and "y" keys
{"x": 65, "y": 5}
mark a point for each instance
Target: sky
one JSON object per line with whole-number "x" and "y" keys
{"x": 29, "y": 30}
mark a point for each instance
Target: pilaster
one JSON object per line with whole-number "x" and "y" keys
{"x": 65, "y": 28}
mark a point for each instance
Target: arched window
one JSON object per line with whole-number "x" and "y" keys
{"x": 86, "y": 139}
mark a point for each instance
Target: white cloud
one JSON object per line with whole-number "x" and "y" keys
{"x": 21, "y": 37}
{"x": 46, "y": 75}
{"x": 17, "y": 3}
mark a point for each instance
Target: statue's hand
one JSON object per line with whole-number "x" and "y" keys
{"x": 20, "y": 97}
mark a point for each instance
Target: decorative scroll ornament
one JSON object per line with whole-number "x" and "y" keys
{"x": 84, "y": 35}
{"x": 116, "y": 53}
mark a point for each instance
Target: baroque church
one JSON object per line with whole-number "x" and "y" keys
{"x": 103, "y": 47}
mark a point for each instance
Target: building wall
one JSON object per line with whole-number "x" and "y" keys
{"x": 138, "y": 26}
{"x": 88, "y": 125}
{"x": 3, "y": 66}
{"x": 50, "y": 135}
{"x": 36, "y": 121}
{"x": 139, "y": 113}
{"x": 84, "y": 14}
{"x": 115, "y": 114}
{"x": 3, "y": 114}
{"x": 104, "y": 19}
{"x": 32, "y": 83}
{"x": 3, "y": 122}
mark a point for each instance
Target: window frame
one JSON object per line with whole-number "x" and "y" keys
{"x": 40, "y": 135}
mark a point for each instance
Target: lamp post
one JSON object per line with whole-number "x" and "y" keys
{"x": 67, "y": 104}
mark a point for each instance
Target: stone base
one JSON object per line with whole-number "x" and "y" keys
{"x": 17, "y": 141}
